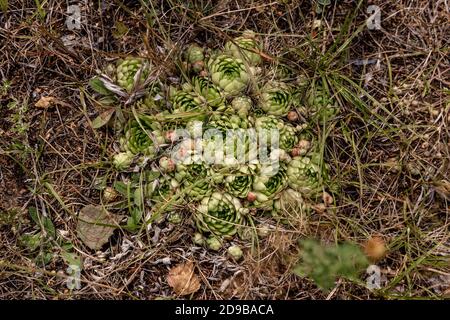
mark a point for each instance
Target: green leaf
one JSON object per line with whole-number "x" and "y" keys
{"x": 30, "y": 241}
{"x": 97, "y": 85}
{"x": 71, "y": 258}
{"x": 324, "y": 264}
{"x": 34, "y": 215}
{"x": 121, "y": 187}
{"x": 49, "y": 227}
{"x": 107, "y": 100}
{"x": 103, "y": 118}
{"x": 47, "y": 223}
{"x": 119, "y": 30}
{"x": 133, "y": 222}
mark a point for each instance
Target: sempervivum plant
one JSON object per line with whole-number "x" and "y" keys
{"x": 224, "y": 122}
{"x": 183, "y": 101}
{"x": 195, "y": 57}
{"x": 245, "y": 47}
{"x": 194, "y": 177}
{"x": 240, "y": 183}
{"x": 156, "y": 187}
{"x": 188, "y": 106}
{"x": 231, "y": 138}
{"x": 270, "y": 181}
{"x": 268, "y": 123}
{"x": 306, "y": 174}
{"x": 242, "y": 105}
{"x": 228, "y": 73}
{"x": 264, "y": 126}
{"x": 130, "y": 68}
{"x": 289, "y": 206}
{"x": 275, "y": 98}
{"x": 123, "y": 160}
{"x": 288, "y": 137}
{"x": 209, "y": 91}
{"x": 218, "y": 136}
{"x": 220, "y": 214}
{"x": 153, "y": 101}
{"x": 323, "y": 105}
{"x": 142, "y": 136}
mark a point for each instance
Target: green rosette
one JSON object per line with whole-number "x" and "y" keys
{"x": 195, "y": 179}
{"x": 186, "y": 102}
{"x": 142, "y": 136}
{"x": 242, "y": 105}
{"x": 236, "y": 140}
{"x": 306, "y": 174}
{"x": 271, "y": 180}
{"x": 210, "y": 92}
{"x": 123, "y": 160}
{"x": 323, "y": 106}
{"x": 126, "y": 70}
{"x": 188, "y": 106}
{"x": 220, "y": 214}
{"x": 195, "y": 57}
{"x": 229, "y": 74}
{"x": 265, "y": 127}
{"x": 275, "y": 98}
{"x": 245, "y": 47}
{"x": 288, "y": 137}
{"x": 240, "y": 183}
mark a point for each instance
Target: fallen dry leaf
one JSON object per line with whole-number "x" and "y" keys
{"x": 182, "y": 279}
{"x": 95, "y": 226}
{"x": 103, "y": 118}
{"x": 45, "y": 102}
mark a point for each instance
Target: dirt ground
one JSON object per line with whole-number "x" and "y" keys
{"x": 389, "y": 150}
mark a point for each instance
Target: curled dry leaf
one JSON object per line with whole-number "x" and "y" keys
{"x": 182, "y": 279}
{"x": 103, "y": 118}
{"x": 45, "y": 102}
{"x": 95, "y": 226}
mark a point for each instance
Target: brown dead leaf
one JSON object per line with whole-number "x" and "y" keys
{"x": 183, "y": 280}
{"x": 45, "y": 102}
{"x": 103, "y": 118}
{"x": 95, "y": 226}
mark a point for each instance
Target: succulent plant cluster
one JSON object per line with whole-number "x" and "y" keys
{"x": 220, "y": 90}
